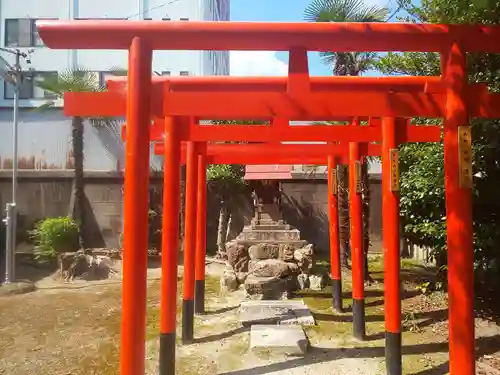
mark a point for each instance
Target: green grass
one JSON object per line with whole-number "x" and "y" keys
{"x": 212, "y": 287}
{"x": 338, "y": 327}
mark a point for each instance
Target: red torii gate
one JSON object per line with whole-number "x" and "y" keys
{"x": 406, "y": 133}
{"x": 195, "y": 224}
{"x": 331, "y": 155}
{"x": 141, "y": 38}
{"x": 362, "y": 85}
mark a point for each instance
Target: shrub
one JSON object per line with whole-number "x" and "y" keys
{"x": 53, "y": 236}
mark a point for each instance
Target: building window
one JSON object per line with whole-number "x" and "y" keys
{"x": 22, "y": 32}
{"x": 166, "y": 19}
{"x": 184, "y": 19}
{"x": 148, "y": 19}
{"x": 165, "y": 73}
{"x": 184, "y": 73}
{"x": 103, "y": 76}
{"x": 29, "y": 88}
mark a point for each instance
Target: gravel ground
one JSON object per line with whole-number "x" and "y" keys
{"x": 74, "y": 329}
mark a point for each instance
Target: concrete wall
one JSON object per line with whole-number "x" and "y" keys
{"x": 306, "y": 208}
{"x": 48, "y": 194}
{"x": 45, "y": 142}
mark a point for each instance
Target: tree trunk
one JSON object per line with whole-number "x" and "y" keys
{"x": 222, "y": 230}
{"x": 228, "y": 226}
{"x": 365, "y": 180}
{"x": 182, "y": 204}
{"x": 79, "y": 213}
{"x": 343, "y": 204}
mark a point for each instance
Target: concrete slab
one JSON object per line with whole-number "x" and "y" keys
{"x": 282, "y": 340}
{"x": 280, "y": 312}
{"x": 302, "y": 317}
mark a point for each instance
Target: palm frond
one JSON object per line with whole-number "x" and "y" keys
{"x": 51, "y": 84}
{"x": 118, "y": 71}
{"x": 344, "y": 11}
{"x": 343, "y": 63}
{"x": 45, "y": 106}
{"x": 78, "y": 80}
{"x": 106, "y": 122}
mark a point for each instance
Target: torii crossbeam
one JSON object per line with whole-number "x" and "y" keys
{"x": 274, "y": 132}
{"x": 312, "y": 103}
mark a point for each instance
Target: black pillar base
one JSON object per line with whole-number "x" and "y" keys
{"x": 199, "y": 297}
{"x": 337, "y": 296}
{"x": 358, "y": 319}
{"x": 393, "y": 361}
{"x": 167, "y": 353}
{"x": 187, "y": 321}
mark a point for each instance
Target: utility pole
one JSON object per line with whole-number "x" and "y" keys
{"x": 13, "y": 75}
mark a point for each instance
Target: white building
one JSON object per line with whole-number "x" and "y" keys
{"x": 46, "y": 136}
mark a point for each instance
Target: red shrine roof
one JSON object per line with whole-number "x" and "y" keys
{"x": 277, "y": 171}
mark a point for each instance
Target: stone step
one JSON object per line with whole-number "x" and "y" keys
{"x": 269, "y": 227}
{"x": 281, "y": 312}
{"x": 297, "y": 243}
{"x": 281, "y": 340}
{"x": 267, "y": 222}
{"x": 270, "y": 235}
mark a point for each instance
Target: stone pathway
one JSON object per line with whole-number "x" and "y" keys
{"x": 276, "y": 326}
{"x": 276, "y": 339}
{"x": 275, "y": 312}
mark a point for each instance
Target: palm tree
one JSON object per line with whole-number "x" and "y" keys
{"x": 77, "y": 80}
{"x": 348, "y": 64}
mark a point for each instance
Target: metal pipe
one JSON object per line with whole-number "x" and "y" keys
{"x": 8, "y": 244}
{"x": 15, "y": 157}
{"x": 11, "y": 217}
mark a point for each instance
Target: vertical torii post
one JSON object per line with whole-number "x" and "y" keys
{"x": 390, "y": 229}
{"x": 356, "y": 234}
{"x": 136, "y": 196}
{"x": 189, "y": 243}
{"x": 201, "y": 231}
{"x": 170, "y": 246}
{"x": 458, "y": 186}
{"x": 335, "y": 271}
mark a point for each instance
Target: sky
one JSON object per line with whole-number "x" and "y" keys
{"x": 269, "y": 63}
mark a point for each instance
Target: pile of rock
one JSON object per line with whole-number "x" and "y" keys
{"x": 88, "y": 264}
{"x": 270, "y": 271}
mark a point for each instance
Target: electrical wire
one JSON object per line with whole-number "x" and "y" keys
{"x": 396, "y": 11}
{"x": 152, "y": 8}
